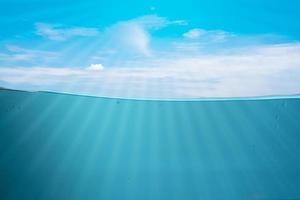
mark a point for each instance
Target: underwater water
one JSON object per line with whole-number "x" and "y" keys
{"x": 59, "y": 146}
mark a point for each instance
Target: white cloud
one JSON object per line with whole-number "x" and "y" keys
{"x": 211, "y": 35}
{"x": 60, "y": 33}
{"x": 133, "y": 36}
{"x": 19, "y": 54}
{"x": 95, "y": 67}
{"x": 194, "y": 33}
{"x": 256, "y": 71}
{"x": 128, "y": 37}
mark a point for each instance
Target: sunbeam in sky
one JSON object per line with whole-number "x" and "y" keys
{"x": 151, "y": 50}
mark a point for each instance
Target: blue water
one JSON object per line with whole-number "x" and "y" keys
{"x": 58, "y": 146}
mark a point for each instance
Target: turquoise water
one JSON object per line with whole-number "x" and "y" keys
{"x": 58, "y": 146}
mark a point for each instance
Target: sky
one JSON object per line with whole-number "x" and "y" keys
{"x": 151, "y": 49}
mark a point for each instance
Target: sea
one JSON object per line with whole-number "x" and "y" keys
{"x": 57, "y": 146}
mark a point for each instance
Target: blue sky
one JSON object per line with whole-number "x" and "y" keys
{"x": 158, "y": 49}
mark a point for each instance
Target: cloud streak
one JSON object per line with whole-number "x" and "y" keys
{"x": 19, "y": 54}
{"x": 60, "y": 33}
{"x": 262, "y": 70}
{"x": 211, "y": 35}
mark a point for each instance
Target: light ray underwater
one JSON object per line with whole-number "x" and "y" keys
{"x": 60, "y": 146}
